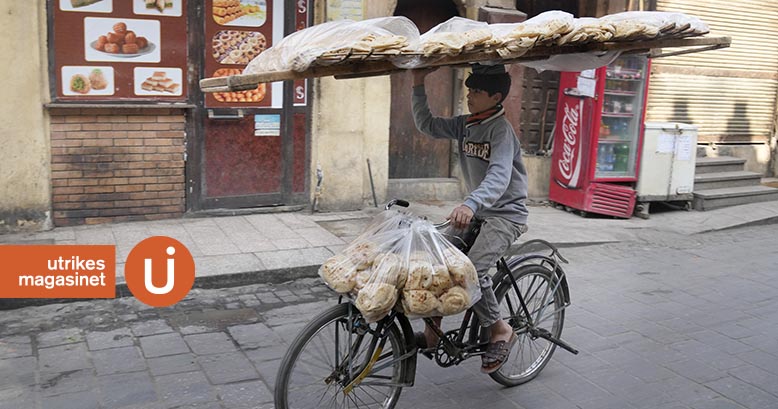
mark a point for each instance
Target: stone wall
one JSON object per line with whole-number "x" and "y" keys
{"x": 24, "y": 159}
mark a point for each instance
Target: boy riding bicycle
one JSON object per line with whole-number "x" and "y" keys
{"x": 490, "y": 158}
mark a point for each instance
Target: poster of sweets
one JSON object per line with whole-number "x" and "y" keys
{"x": 158, "y": 81}
{"x": 87, "y": 80}
{"x": 246, "y": 13}
{"x": 120, "y": 40}
{"x": 132, "y": 50}
{"x": 236, "y": 32}
{"x": 157, "y": 7}
{"x": 87, "y": 6}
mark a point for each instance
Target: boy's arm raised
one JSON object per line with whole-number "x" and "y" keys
{"x": 437, "y": 127}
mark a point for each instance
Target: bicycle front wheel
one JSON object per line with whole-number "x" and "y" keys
{"x": 320, "y": 368}
{"x": 543, "y": 296}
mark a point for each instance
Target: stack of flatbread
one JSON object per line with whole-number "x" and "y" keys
{"x": 545, "y": 28}
{"x": 639, "y": 25}
{"x": 587, "y": 30}
{"x": 388, "y": 44}
{"x": 454, "y": 43}
{"x": 397, "y": 39}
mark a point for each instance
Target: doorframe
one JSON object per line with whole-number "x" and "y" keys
{"x": 194, "y": 138}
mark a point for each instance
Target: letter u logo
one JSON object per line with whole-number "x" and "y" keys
{"x": 171, "y": 277}
{"x": 150, "y": 257}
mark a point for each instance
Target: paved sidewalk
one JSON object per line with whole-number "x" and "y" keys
{"x": 278, "y": 247}
{"x": 684, "y": 323}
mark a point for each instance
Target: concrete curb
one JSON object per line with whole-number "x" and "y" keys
{"x": 275, "y": 276}
{"x": 762, "y": 222}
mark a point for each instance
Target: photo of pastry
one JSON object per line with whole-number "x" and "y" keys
{"x": 87, "y": 80}
{"x": 121, "y": 40}
{"x": 247, "y": 13}
{"x": 237, "y": 47}
{"x": 253, "y": 95}
{"x": 87, "y": 6}
{"x": 170, "y": 8}
{"x": 157, "y": 81}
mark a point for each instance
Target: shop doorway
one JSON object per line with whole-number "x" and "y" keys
{"x": 412, "y": 154}
{"x": 252, "y": 146}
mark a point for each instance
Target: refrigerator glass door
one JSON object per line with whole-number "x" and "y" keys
{"x": 622, "y": 112}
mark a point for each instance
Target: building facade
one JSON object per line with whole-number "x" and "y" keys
{"x": 101, "y": 126}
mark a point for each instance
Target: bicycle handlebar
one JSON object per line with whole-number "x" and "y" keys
{"x": 398, "y": 202}
{"x": 405, "y": 203}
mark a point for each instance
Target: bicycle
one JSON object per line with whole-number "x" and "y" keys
{"x": 375, "y": 361}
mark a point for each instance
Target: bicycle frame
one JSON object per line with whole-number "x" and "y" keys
{"x": 477, "y": 338}
{"x": 456, "y": 349}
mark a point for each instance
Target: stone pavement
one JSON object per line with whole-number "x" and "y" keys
{"x": 662, "y": 322}
{"x": 261, "y": 248}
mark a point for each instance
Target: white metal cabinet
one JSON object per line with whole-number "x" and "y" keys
{"x": 666, "y": 165}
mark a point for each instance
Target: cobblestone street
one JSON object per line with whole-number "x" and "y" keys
{"x": 686, "y": 322}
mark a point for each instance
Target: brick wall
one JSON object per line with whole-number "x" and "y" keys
{"x": 113, "y": 165}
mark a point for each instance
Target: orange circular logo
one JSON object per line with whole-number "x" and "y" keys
{"x": 159, "y": 271}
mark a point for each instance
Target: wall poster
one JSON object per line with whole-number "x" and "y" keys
{"x": 237, "y": 31}
{"x": 345, "y": 10}
{"x": 108, "y": 50}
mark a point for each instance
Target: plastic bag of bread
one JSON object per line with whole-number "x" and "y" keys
{"x": 454, "y": 36}
{"x": 353, "y": 266}
{"x": 298, "y": 51}
{"x": 440, "y": 279}
{"x": 544, "y": 29}
{"x": 402, "y": 261}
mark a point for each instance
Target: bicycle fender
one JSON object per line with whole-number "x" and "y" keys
{"x": 410, "y": 341}
{"x": 558, "y": 271}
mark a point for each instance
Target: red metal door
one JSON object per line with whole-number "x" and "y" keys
{"x": 253, "y": 143}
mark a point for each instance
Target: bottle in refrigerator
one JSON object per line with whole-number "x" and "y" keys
{"x": 601, "y": 157}
{"x": 605, "y": 157}
{"x": 621, "y": 157}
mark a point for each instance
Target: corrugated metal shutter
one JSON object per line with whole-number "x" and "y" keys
{"x": 730, "y": 94}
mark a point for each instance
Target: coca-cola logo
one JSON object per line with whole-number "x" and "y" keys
{"x": 570, "y": 163}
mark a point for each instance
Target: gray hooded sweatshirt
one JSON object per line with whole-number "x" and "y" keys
{"x": 490, "y": 156}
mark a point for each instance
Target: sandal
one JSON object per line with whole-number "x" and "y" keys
{"x": 421, "y": 344}
{"x": 497, "y": 354}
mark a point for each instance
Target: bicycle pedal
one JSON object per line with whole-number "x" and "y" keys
{"x": 428, "y": 352}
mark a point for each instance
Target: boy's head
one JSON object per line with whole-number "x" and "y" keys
{"x": 488, "y": 86}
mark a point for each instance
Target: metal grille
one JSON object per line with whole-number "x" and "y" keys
{"x": 612, "y": 200}
{"x": 729, "y": 94}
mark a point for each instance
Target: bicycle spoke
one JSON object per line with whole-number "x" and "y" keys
{"x": 352, "y": 397}
{"x": 383, "y": 394}
{"x": 549, "y": 315}
{"x": 368, "y": 395}
{"x": 538, "y": 289}
{"x": 337, "y": 354}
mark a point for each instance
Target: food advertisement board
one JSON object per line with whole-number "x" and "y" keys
{"x": 236, "y": 31}
{"x": 109, "y": 50}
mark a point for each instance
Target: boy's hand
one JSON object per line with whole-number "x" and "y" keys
{"x": 420, "y": 74}
{"x": 461, "y": 216}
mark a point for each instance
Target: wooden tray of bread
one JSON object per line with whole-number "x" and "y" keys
{"x": 356, "y": 64}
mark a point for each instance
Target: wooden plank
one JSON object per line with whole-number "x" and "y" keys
{"x": 356, "y": 69}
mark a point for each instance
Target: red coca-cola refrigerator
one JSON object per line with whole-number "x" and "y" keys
{"x": 598, "y": 137}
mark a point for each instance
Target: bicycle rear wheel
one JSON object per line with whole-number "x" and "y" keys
{"x": 543, "y": 296}
{"x": 327, "y": 356}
